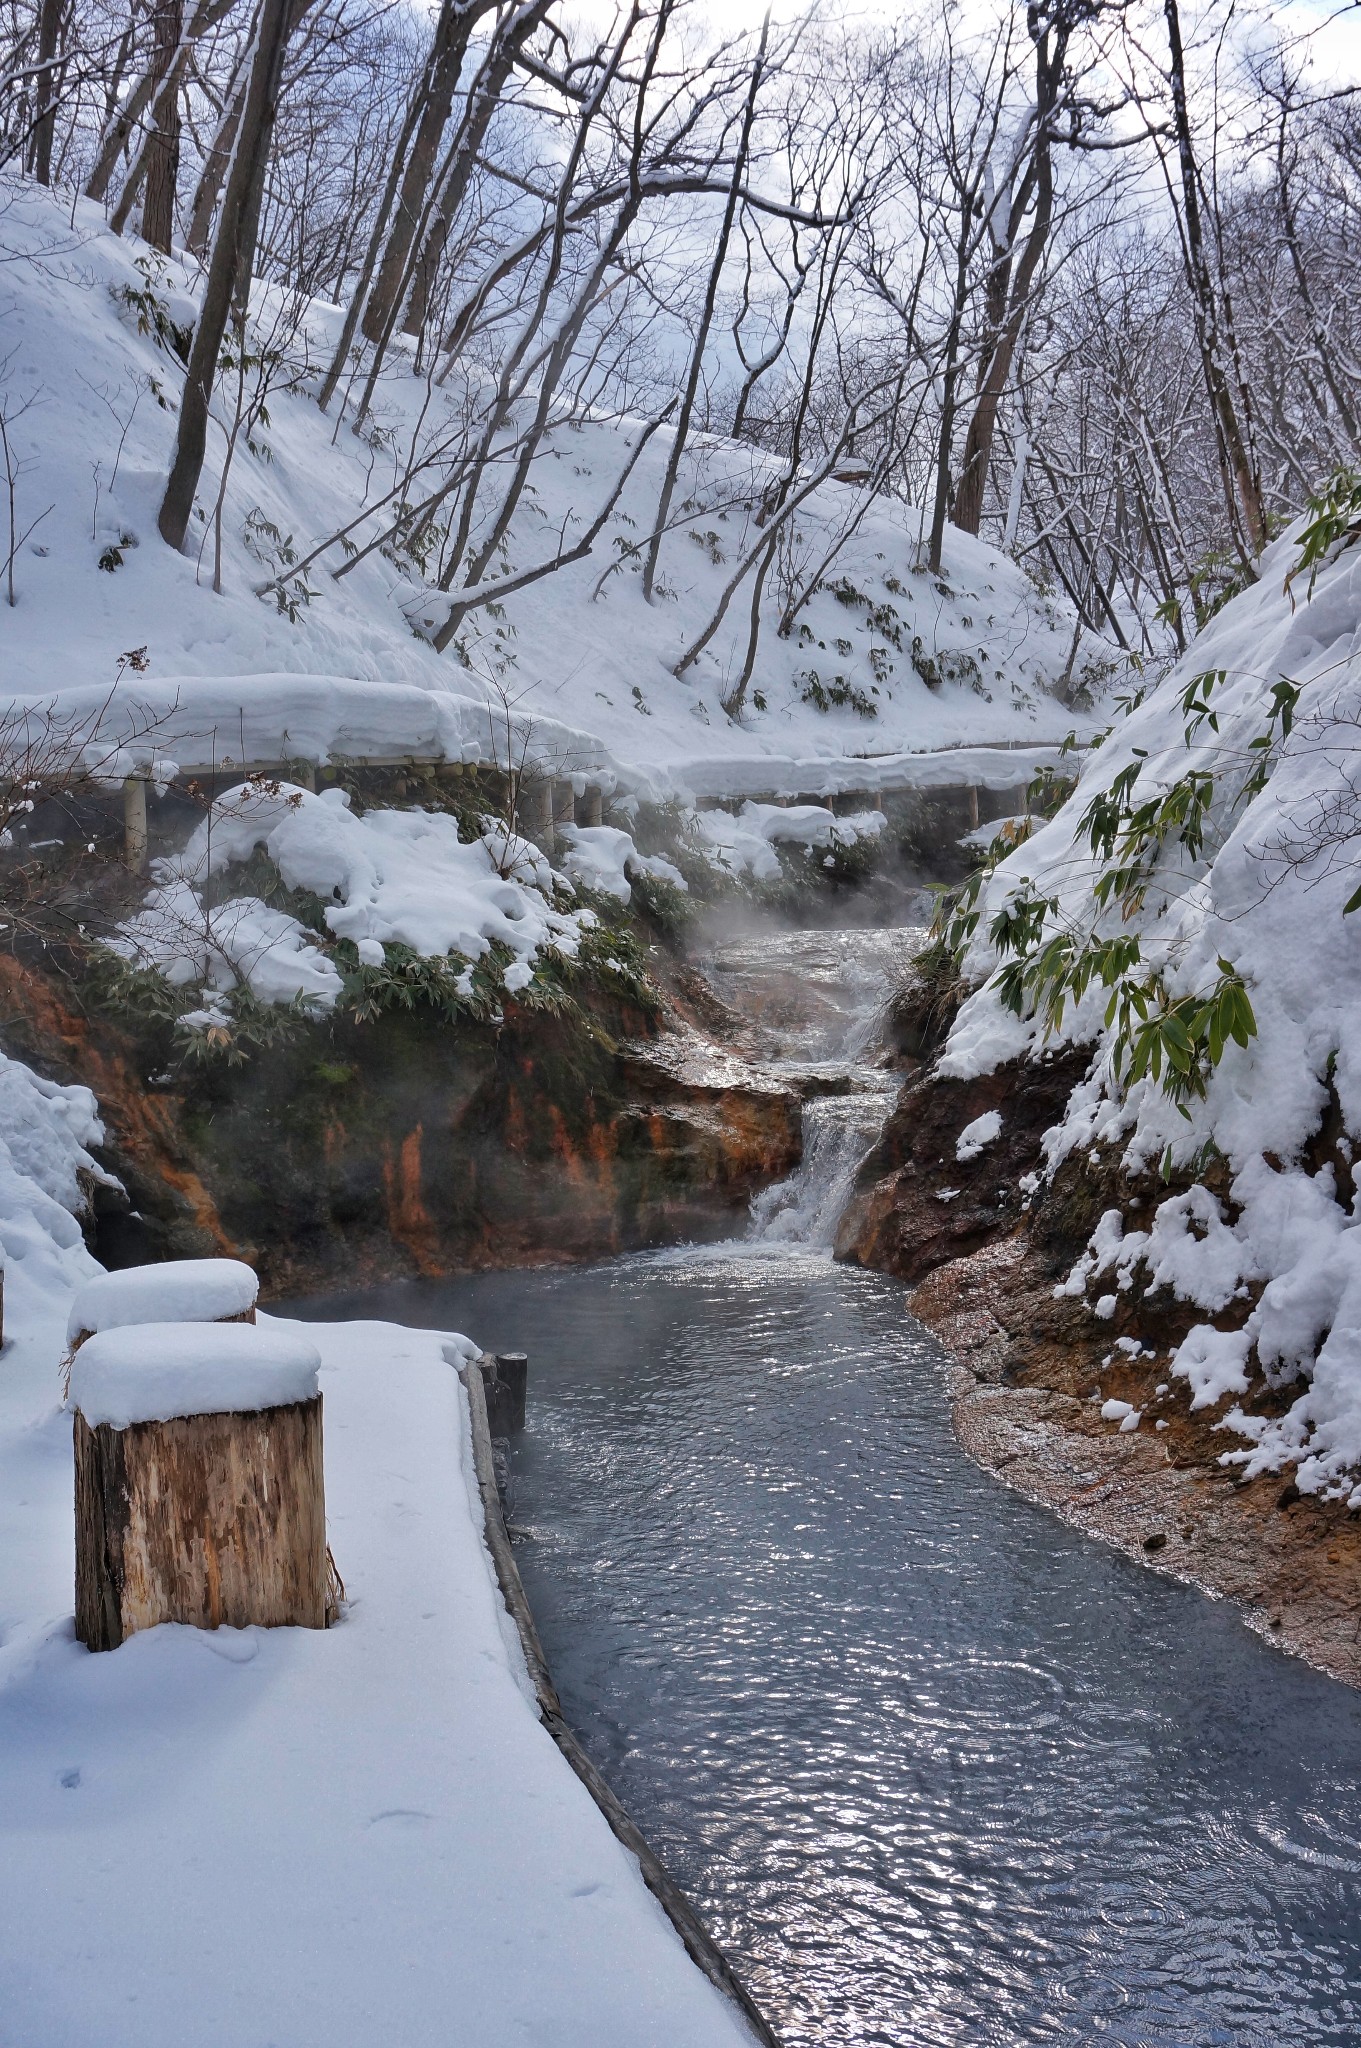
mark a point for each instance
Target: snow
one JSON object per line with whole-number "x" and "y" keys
{"x": 581, "y": 683}
{"x": 985, "y": 1130}
{"x": 388, "y": 876}
{"x": 1123, "y": 1412}
{"x": 603, "y": 857}
{"x": 152, "y": 1372}
{"x": 745, "y": 844}
{"x": 180, "y": 1291}
{"x": 324, "y": 1838}
{"x": 982, "y": 836}
{"x": 1266, "y": 893}
{"x": 364, "y": 1834}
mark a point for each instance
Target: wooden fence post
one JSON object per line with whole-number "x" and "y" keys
{"x": 505, "y": 1378}
{"x": 534, "y": 813}
{"x": 134, "y": 823}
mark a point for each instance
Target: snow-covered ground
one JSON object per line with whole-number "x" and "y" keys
{"x": 1249, "y": 752}
{"x": 349, "y": 1836}
{"x": 966, "y": 657}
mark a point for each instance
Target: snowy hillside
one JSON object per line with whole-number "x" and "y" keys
{"x": 1187, "y": 913}
{"x": 886, "y": 659}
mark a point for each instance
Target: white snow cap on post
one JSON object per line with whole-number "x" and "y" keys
{"x": 153, "y": 1372}
{"x": 180, "y": 1291}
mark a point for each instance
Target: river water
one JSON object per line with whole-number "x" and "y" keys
{"x": 934, "y": 1768}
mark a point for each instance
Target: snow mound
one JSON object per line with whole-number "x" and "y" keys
{"x": 975, "y": 1137}
{"x": 45, "y": 1172}
{"x": 153, "y": 1372}
{"x": 180, "y": 1291}
{"x": 745, "y": 844}
{"x": 604, "y": 857}
{"x": 1254, "y": 733}
{"x": 388, "y": 877}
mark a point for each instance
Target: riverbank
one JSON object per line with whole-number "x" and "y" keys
{"x": 1292, "y": 1565}
{"x": 1075, "y": 1408}
{"x": 341, "y": 1837}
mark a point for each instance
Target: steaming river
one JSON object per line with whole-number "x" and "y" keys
{"x": 934, "y": 1768}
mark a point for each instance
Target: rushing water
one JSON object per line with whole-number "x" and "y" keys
{"x": 935, "y": 1768}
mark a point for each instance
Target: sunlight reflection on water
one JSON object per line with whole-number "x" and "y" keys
{"x": 935, "y": 1768}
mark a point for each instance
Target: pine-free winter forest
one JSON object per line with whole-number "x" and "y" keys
{"x": 680, "y": 1024}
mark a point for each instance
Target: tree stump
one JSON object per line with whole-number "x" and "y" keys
{"x": 174, "y": 1291}
{"x": 215, "y": 1517}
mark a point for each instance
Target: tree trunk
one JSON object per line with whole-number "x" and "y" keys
{"x": 203, "y": 205}
{"x": 206, "y": 16}
{"x": 1242, "y": 485}
{"x": 944, "y": 440}
{"x": 484, "y": 98}
{"x": 214, "y": 1520}
{"x": 673, "y": 461}
{"x": 967, "y": 512}
{"x": 1011, "y": 283}
{"x": 438, "y": 83}
{"x": 224, "y": 269}
{"x": 49, "y": 33}
{"x": 116, "y": 133}
{"x": 163, "y": 157}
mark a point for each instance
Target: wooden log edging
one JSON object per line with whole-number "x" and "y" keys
{"x": 699, "y": 1943}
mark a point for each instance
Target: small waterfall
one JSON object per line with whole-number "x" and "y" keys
{"x": 816, "y": 998}
{"x": 838, "y": 1130}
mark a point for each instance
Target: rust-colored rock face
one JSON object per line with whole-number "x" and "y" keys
{"x": 353, "y": 1153}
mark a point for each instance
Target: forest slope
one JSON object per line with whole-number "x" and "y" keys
{"x": 884, "y": 658}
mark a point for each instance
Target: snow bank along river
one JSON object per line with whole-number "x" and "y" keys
{"x": 934, "y": 1768}
{"x": 292, "y": 1838}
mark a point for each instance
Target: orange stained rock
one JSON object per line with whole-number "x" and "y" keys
{"x": 409, "y": 1221}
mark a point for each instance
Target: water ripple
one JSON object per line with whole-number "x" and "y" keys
{"x": 938, "y": 1771}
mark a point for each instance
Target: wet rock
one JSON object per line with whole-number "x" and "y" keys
{"x": 916, "y": 1203}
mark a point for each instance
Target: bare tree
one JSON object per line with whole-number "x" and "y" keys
{"x": 229, "y": 265}
{"x": 719, "y": 258}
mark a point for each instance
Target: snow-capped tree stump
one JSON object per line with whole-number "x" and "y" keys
{"x": 199, "y": 1488}
{"x": 175, "y": 1291}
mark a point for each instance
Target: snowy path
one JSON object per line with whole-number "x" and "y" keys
{"x": 283, "y": 1837}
